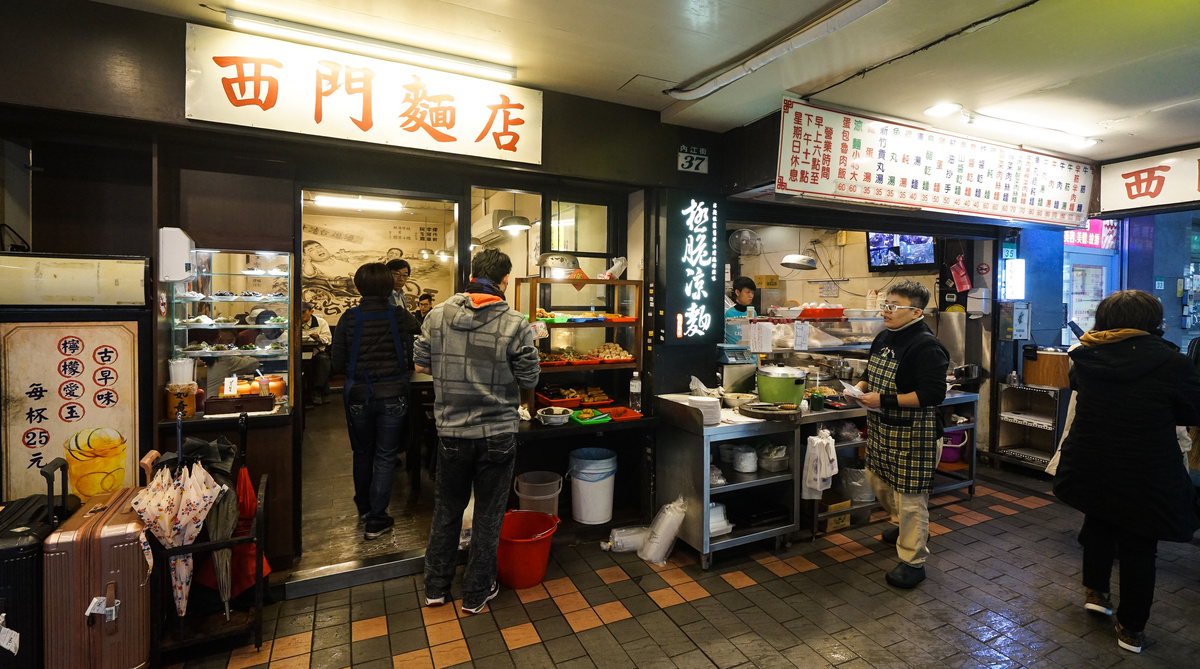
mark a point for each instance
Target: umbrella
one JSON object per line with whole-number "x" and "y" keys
{"x": 222, "y": 521}
{"x": 174, "y": 513}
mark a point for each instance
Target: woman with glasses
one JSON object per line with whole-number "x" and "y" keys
{"x": 1120, "y": 464}
{"x": 906, "y": 381}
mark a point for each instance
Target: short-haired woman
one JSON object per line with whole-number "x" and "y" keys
{"x": 371, "y": 347}
{"x": 1120, "y": 465}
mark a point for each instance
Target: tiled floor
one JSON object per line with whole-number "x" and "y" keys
{"x": 1002, "y": 591}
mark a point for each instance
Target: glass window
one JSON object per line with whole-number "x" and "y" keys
{"x": 579, "y": 227}
{"x": 491, "y": 227}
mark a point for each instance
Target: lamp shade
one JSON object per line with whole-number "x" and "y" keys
{"x": 798, "y": 261}
{"x": 515, "y": 223}
{"x": 558, "y": 260}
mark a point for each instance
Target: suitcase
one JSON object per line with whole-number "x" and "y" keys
{"x": 97, "y": 590}
{"x": 24, "y": 525}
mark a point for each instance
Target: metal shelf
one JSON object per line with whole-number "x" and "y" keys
{"x": 589, "y": 368}
{"x": 745, "y": 536}
{"x": 1025, "y": 455}
{"x": 758, "y": 478}
{"x": 1029, "y": 420}
{"x": 958, "y": 428}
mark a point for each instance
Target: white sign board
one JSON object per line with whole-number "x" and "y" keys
{"x": 833, "y": 155}
{"x": 266, "y": 83}
{"x": 1157, "y": 181}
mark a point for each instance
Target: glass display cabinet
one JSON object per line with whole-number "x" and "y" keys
{"x": 594, "y": 323}
{"x": 235, "y": 316}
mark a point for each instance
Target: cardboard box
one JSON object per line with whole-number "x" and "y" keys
{"x": 247, "y": 403}
{"x": 831, "y": 501}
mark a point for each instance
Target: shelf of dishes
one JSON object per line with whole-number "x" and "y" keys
{"x": 266, "y": 353}
{"x": 609, "y": 353}
{"x": 586, "y": 318}
{"x": 227, "y": 296}
{"x": 204, "y": 322}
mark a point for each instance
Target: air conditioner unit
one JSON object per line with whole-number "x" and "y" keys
{"x": 487, "y": 229}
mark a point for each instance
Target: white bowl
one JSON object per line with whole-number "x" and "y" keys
{"x": 737, "y": 399}
{"x": 554, "y": 415}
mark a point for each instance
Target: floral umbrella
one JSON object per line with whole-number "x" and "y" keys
{"x": 174, "y": 514}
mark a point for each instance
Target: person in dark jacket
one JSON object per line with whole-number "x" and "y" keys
{"x": 906, "y": 377}
{"x": 1120, "y": 464}
{"x": 371, "y": 347}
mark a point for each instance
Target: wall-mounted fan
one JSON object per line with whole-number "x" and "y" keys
{"x": 745, "y": 242}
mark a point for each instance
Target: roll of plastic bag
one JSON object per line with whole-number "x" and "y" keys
{"x": 663, "y": 531}
{"x": 745, "y": 460}
{"x": 626, "y": 539}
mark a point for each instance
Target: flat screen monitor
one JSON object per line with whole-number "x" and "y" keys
{"x": 889, "y": 252}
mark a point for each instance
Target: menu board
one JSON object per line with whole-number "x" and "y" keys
{"x": 830, "y": 154}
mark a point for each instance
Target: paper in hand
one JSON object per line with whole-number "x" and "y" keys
{"x": 851, "y": 392}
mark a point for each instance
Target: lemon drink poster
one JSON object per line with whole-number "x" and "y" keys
{"x": 69, "y": 391}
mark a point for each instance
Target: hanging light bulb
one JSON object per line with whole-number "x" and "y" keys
{"x": 425, "y": 253}
{"x": 442, "y": 254}
{"x": 515, "y": 223}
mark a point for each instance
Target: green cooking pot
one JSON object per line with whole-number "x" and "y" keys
{"x": 780, "y": 384}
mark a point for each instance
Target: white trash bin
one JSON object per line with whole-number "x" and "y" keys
{"x": 593, "y": 472}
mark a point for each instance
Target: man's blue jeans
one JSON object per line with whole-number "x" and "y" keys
{"x": 375, "y": 437}
{"x": 487, "y": 466}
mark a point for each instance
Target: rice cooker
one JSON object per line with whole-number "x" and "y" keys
{"x": 780, "y": 384}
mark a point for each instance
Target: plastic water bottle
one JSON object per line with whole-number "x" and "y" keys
{"x": 635, "y": 393}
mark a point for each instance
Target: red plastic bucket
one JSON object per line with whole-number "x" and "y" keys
{"x": 524, "y": 548}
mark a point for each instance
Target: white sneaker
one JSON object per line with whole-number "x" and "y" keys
{"x": 490, "y": 596}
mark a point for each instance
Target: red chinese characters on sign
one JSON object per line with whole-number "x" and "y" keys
{"x": 357, "y": 82}
{"x": 253, "y": 88}
{"x": 1145, "y": 183}
{"x": 505, "y": 107}
{"x": 427, "y": 112}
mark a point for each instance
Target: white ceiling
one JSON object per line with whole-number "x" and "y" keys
{"x": 1122, "y": 71}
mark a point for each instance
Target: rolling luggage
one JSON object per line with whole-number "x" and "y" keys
{"x": 24, "y": 525}
{"x": 96, "y": 592}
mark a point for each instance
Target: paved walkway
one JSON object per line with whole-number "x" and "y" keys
{"x": 1003, "y": 591}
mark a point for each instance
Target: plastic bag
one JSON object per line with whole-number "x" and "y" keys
{"x": 847, "y": 430}
{"x": 663, "y": 531}
{"x": 700, "y": 390}
{"x": 464, "y": 536}
{"x": 820, "y": 464}
{"x": 852, "y": 478}
{"x": 625, "y": 539}
{"x": 716, "y": 476}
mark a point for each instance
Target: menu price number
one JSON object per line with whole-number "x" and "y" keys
{"x": 692, "y": 159}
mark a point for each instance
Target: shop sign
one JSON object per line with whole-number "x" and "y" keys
{"x": 1099, "y": 234}
{"x": 266, "y": 83}
{"x": 692, "y": 159}
{"x": 829, "y": 154}
{"x": 70, "y": 392}
{"x": 693, "y": 303}
{"x": 1157, "y": 181}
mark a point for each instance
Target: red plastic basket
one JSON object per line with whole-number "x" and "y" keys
{"x": 571, "y": 403}
{"x": 622, "y": 413}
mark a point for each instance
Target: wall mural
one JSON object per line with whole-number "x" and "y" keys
{"x": 334, "y": 247}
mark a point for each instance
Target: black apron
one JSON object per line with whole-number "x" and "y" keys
{"x": 902, "y": 444}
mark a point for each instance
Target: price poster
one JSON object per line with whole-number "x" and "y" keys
{"x": 834, "y": 155}
{"x": 69, "y": 391}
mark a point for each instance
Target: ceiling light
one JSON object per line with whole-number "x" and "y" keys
{"x": 368, "y": 46}
{"x": 1034, "y": 133}
{"x": 943, "y": 109}
{"x": 442, "y": 254}
{"x": 357, "y": 203}
{"x": 425, "y": 253}
{"x": 515, "y": 223}
{"x": 798, "y": 261}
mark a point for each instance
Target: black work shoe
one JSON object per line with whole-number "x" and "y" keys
{"x": 1129, "y": 640}
{"x": 478, "y": 608}
{"x": 891, "y": 535}
{"x": 376, "y": 529}
{"x": 1100, "y": 602}
{"x": 906, "y": 576}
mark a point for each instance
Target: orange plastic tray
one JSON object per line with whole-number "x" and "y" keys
{"x": 621, "y": 413}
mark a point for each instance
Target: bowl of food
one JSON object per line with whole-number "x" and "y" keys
{"x": 738, "y": 399}
{"x": 554, "y": 415}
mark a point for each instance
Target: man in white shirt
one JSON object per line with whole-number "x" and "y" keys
{"x": 315, "y": 334}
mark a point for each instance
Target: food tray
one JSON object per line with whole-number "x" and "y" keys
{"x": 553, "y": 320}
{"x": 612, "y": 360}
{"x": 822, "y": 313}
{"x": 603, "y": 403}
{"x": 600, "y": 417}
{"x": 571, "y": 403}
{"x": 552, "y": 363}
{"x": 181, "y": 324}
{"x": 583, "y": 362}
{"x": 622, "y": 413}
{"x": 579, "y": 319}
{"x": 222, "y": 298}
{"x": 186, "y": 298}
{"x": 623, "y": 319}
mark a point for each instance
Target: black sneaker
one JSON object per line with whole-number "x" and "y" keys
{"x": 479, "y": 608}
{"x": 1100, "y": 602}
{"x": 1129, "y": 640}
{"x": 890, "y": 535}
{"x": 906, "y": 576}
{"x": 376, "y": 529}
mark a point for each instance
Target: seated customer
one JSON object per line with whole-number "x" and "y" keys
{"x": 315, "y": 333}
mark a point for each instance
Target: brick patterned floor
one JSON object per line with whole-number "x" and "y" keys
{"x": 1002, "y": 591}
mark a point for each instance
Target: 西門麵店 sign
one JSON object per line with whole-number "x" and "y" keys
{"x": 71, "y": 393}
{"x": 1165, "y": 179}
{"x": 265, "y": 83}
{"x": 694, "y": 263}
{"x": 830, "y": 154}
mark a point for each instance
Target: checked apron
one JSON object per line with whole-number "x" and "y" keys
{"x": 902, "y": 444}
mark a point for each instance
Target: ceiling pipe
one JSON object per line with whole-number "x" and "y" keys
{"x": 823, "y": 26}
